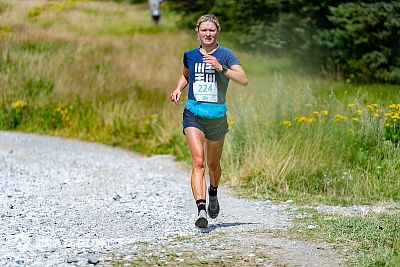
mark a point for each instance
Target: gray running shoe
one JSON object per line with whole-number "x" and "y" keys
{"x": 213, "y": 207}
{"x": 202, "y": 221}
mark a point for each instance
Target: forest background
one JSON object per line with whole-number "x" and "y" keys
{"x": 318, "y": 122}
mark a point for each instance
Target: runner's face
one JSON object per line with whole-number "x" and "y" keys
{"x": 207, "y": 33}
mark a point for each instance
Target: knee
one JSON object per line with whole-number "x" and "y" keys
{"x": 198, "y": 164}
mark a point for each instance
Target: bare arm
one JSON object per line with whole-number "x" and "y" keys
{"x": 235, "y": 72}
{"x": 182, "y": 83}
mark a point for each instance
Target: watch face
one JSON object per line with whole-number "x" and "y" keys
{"x": 224, "y": 67}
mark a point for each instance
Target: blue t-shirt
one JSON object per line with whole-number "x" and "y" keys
{"x": 200, "y": 71}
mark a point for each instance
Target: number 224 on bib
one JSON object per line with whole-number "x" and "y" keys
{"x": 205, "y": 91}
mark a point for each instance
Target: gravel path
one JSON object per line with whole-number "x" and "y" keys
{"x": 69, "y": 202}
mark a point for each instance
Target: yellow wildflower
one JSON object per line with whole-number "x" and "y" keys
{"x": 351, "y": 105}
{"x": 394, "y": 106}
{"x": 311, "y": 120}
{"x": 395, "y": 116}
{"x": 287, "y": 123}
{"x": 325, "y": 112}
{"x": 19, "y": 104}
{"x": 300, "y": 119}
{"x": 63, "y": 113}
{"x": 339, "y": 117}
{"x": 355, "y": 119}
{"x": 372, "y": 106}
{"x": 315, "y": 113}
{"x": 358, "y": 112}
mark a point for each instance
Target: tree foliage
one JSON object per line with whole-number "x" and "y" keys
{"x": 359, "y": 37}
{"x": 366, "y": 40}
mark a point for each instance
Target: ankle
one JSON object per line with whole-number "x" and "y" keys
{"x": 212, "y": 190}
{"x": 201, "y": 204}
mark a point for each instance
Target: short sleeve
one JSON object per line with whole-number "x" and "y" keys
{"x": 231, "y": 58}
{"x": 185, "y": 61}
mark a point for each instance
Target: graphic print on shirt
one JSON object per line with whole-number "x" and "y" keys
{"x": 205, "y": 86}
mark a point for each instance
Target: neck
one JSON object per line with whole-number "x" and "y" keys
{"x": 210, "y": 48}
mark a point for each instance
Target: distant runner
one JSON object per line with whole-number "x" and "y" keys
{"x": 207, "y": 69}
{"x": 155, "y": 10}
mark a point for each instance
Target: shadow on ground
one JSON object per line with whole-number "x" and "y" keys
{"x": 213, "y": 227}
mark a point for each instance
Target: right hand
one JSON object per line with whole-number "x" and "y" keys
{"x": 175, "y": 96}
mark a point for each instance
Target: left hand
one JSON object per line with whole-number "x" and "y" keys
{"x": 213, "y": 61}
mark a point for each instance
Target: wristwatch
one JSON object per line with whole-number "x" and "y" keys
{"x": 224, "y": 68}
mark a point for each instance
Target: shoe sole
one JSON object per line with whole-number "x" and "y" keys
{"x": 212, "y": 216}
{"x": 201, "y": 222}
{"x": 213, "y": 213}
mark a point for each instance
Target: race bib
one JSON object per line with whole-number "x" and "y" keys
{"x": 205, "y": 91}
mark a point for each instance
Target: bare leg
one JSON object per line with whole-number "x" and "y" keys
{"x": 214, "y": 153}
{"x": 195, "y": 139}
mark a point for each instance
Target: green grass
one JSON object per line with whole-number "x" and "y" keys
{"x": 32, "y": 47}
{"x": 373, "y": 240}
{"x": 339, "y": 157}
{"x": 382, "y": 93}
{"x": 106, "y": 77}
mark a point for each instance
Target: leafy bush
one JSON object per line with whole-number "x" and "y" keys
{"x": 360, "y": 38}
{"x": 365, "y": 40}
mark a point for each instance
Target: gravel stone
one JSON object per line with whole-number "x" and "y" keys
{"x": 67, "y": 201}
{"x": 93, "y": 260}
{"x": 72, "y": 259}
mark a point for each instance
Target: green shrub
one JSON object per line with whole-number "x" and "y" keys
{"x": 365, "y": 40}
{"x": 359, "y": 39}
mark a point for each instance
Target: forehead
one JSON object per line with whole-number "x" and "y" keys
{"x": 207, "y": 25}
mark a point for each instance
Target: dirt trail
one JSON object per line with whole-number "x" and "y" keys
{"x": 71, "y": 202}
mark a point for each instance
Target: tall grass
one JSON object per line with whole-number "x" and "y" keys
{"x": 290, "y": 137}
{"x": 90, "y": 82}
{"x": 103, "y": 72}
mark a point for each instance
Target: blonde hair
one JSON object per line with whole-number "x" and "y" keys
{"x": 208, "y": 17}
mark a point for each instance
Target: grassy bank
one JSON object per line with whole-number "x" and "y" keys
{"x": 104, "y": 81}
{"x": 299, "y": 139}
{"x": 371, "y": 240}
{"x": 102, "y": 71}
